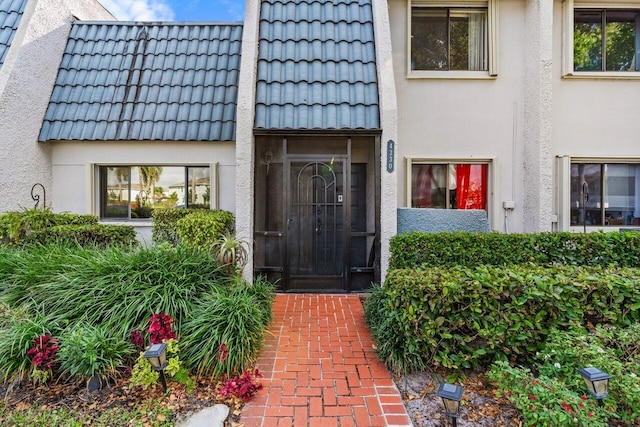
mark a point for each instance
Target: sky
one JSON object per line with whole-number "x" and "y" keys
{"x": 176, "y": 10}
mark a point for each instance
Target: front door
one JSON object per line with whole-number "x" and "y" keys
{"x": 315, "y": 226}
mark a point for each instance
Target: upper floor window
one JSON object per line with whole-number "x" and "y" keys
{"x": 605, "y": 194}
{"x": 131, "y": 192}
{"x": 601, "y": 39}
{"x": 452, "y": 39}
{"x": 449, "y": 185}
{"x": 606, "y": 39}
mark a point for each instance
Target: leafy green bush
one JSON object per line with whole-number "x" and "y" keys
{"x": 418, "y": 250}
{"x": 225, "y": 330}
{"x": 15, "y": 226}
{"x": 86, "y": 351}
{"x": 15, "y": 340}
{"x": 467, "y": 317}
{"x": 165, "y": 225}
{"x": 558, "y": 393}
{"x": 98, "y": 235}
{"x": 203, "y": 228}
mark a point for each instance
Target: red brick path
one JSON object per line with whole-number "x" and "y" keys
{"x": 320, "y": 368}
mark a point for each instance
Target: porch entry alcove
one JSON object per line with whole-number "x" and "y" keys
{"x": 317, "y": 212}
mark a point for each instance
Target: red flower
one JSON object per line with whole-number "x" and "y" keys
{"x": 590, "y": 415}
{"x": 136, "y": 338}
{"x": 581, "y": 405}
{"x": 160, "y": 328}
{"x": 583, "y": 397}
{"x": 534, "y": 381}
{"x": 533, "y": 397}
{"x": 43, "y": 352}
{"x": 223, "y": 353}
{"x": 566, "y": 407}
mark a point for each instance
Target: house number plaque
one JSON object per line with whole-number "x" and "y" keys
{"x": 391, "y": 152}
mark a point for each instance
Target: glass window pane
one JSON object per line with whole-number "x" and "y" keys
{"x": 582, "y": 209}
{"x": 429, "y": 39}
{"x": 429, "y": 186}
{"x": 468, "y": 186}
{"x": 467, "y": 40}
{"x": 587, "y": 40}
{"x": 620, "y": 191}
{"x": 621, "y": 40}
{"x": 169, "y": 188}
{"x": 199, "y": 192}
{"x": 115, "y": 196}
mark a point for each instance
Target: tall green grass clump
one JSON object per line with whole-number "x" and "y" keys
{"x": 233, "y": 319}
{"x": 114, "y": 288}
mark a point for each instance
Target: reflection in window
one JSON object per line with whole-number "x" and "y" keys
{"x": 129, "y": 192}
{"x": 448, "y": 39}
{"x": 605, "y": 194}
{"x": 613, "y": 49}
{"x": 449, "y": 186}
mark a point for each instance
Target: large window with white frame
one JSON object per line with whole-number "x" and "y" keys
{"x": 602, "y": 39}
{"x": 452, "y": 39}
{"x": 449, "y": 185}
{"x": 605, "y": 194}
{"x": 133, "y": 192}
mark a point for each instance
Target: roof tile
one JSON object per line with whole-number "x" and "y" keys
{"x": 10, "y": 16}
{"x": 316, "y": 65}
{"x": 146, "y": 81}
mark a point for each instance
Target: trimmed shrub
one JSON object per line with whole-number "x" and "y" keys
{"x": 98, "y": 235}
{"x": 424, "y": 250}
{"x": 165, "y": 225}
{"x": 16, "y": 226}
{"x": 467, "y": 317}
{"x": 202, "y": 229}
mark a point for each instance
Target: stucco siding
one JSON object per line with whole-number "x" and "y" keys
{"x": 466, "y": 119}
{"x": 74, "y": 187}
{"x": 28, "y": 75}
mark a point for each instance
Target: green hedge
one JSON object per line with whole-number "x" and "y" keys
{"x": 15, "y": 226}
{"x": 468, "y": 317}
{"x": 165, "y": 225}
{"x": 422, "y": 250}
{"x": 202, "y": 228}
{"x": 99, "y": 235}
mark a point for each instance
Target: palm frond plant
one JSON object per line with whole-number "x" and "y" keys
{"x": 231, "y": 252}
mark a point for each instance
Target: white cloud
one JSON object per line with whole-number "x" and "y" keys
{"x": 139, "y": 10}
{"x": 235, "y": 9}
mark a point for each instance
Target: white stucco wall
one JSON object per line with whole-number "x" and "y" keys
{"x": 26, "y": 82}
{"x": 244, "y": 130}
{"x": 389, "y": 125}
{"x": 74, "y": 180}
{"x": 593, "y": 117}
{"x": 466, "y": 119}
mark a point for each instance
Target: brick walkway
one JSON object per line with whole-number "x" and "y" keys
{"x": 320, "y": 368}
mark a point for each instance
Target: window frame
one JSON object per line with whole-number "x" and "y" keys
{"x": 564, "y": 190}
{"x": 492, "y": 179}
{"x": 491, "y": 7}
{"x": 569, "y": 7}
{"x": 99, "y": 196}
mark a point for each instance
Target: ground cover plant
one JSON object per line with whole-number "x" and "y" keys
{"x": 68, "y": 314}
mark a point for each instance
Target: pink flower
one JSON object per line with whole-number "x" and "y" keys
{"x": 532, "y": 397}
{"x": 566, "y": 407}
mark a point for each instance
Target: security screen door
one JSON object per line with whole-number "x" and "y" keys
{"x": 316, "y": 208}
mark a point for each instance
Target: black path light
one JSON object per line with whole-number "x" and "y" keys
{"x": 597, "y": 382}
{"x": 451, "y": 395}
{"x": 156, "y": 354}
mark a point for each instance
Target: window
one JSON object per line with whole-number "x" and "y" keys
{"x": 601, "y": 39}
{"x": 605, "y": 39}
{"x": 130, "y": 192}
{"x": 604, "y": 194}
{"x": 449, "y": 185}
{"x": 452, "y": 39}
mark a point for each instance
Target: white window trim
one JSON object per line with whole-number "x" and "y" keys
{"x": 492, "y": 41}
{"x": 563, "y": 208}
{"x": 567, "y": 40}
{"x": 492, "y": 178}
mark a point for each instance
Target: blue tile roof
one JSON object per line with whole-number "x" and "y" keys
{"x": 10, "y": 16}
{"x": 146, "y": 81}
{"x": 317, "y": 66}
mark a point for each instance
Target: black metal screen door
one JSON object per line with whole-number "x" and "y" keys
{"x": 315, "y": 224}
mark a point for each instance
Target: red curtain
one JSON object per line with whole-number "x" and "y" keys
{"x": 471, "y": 186}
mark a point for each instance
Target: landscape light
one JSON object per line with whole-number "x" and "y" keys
{"x": 451, "y": 395}
{"x": 156, "y": 354}
{"x": 597, "y": 382}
